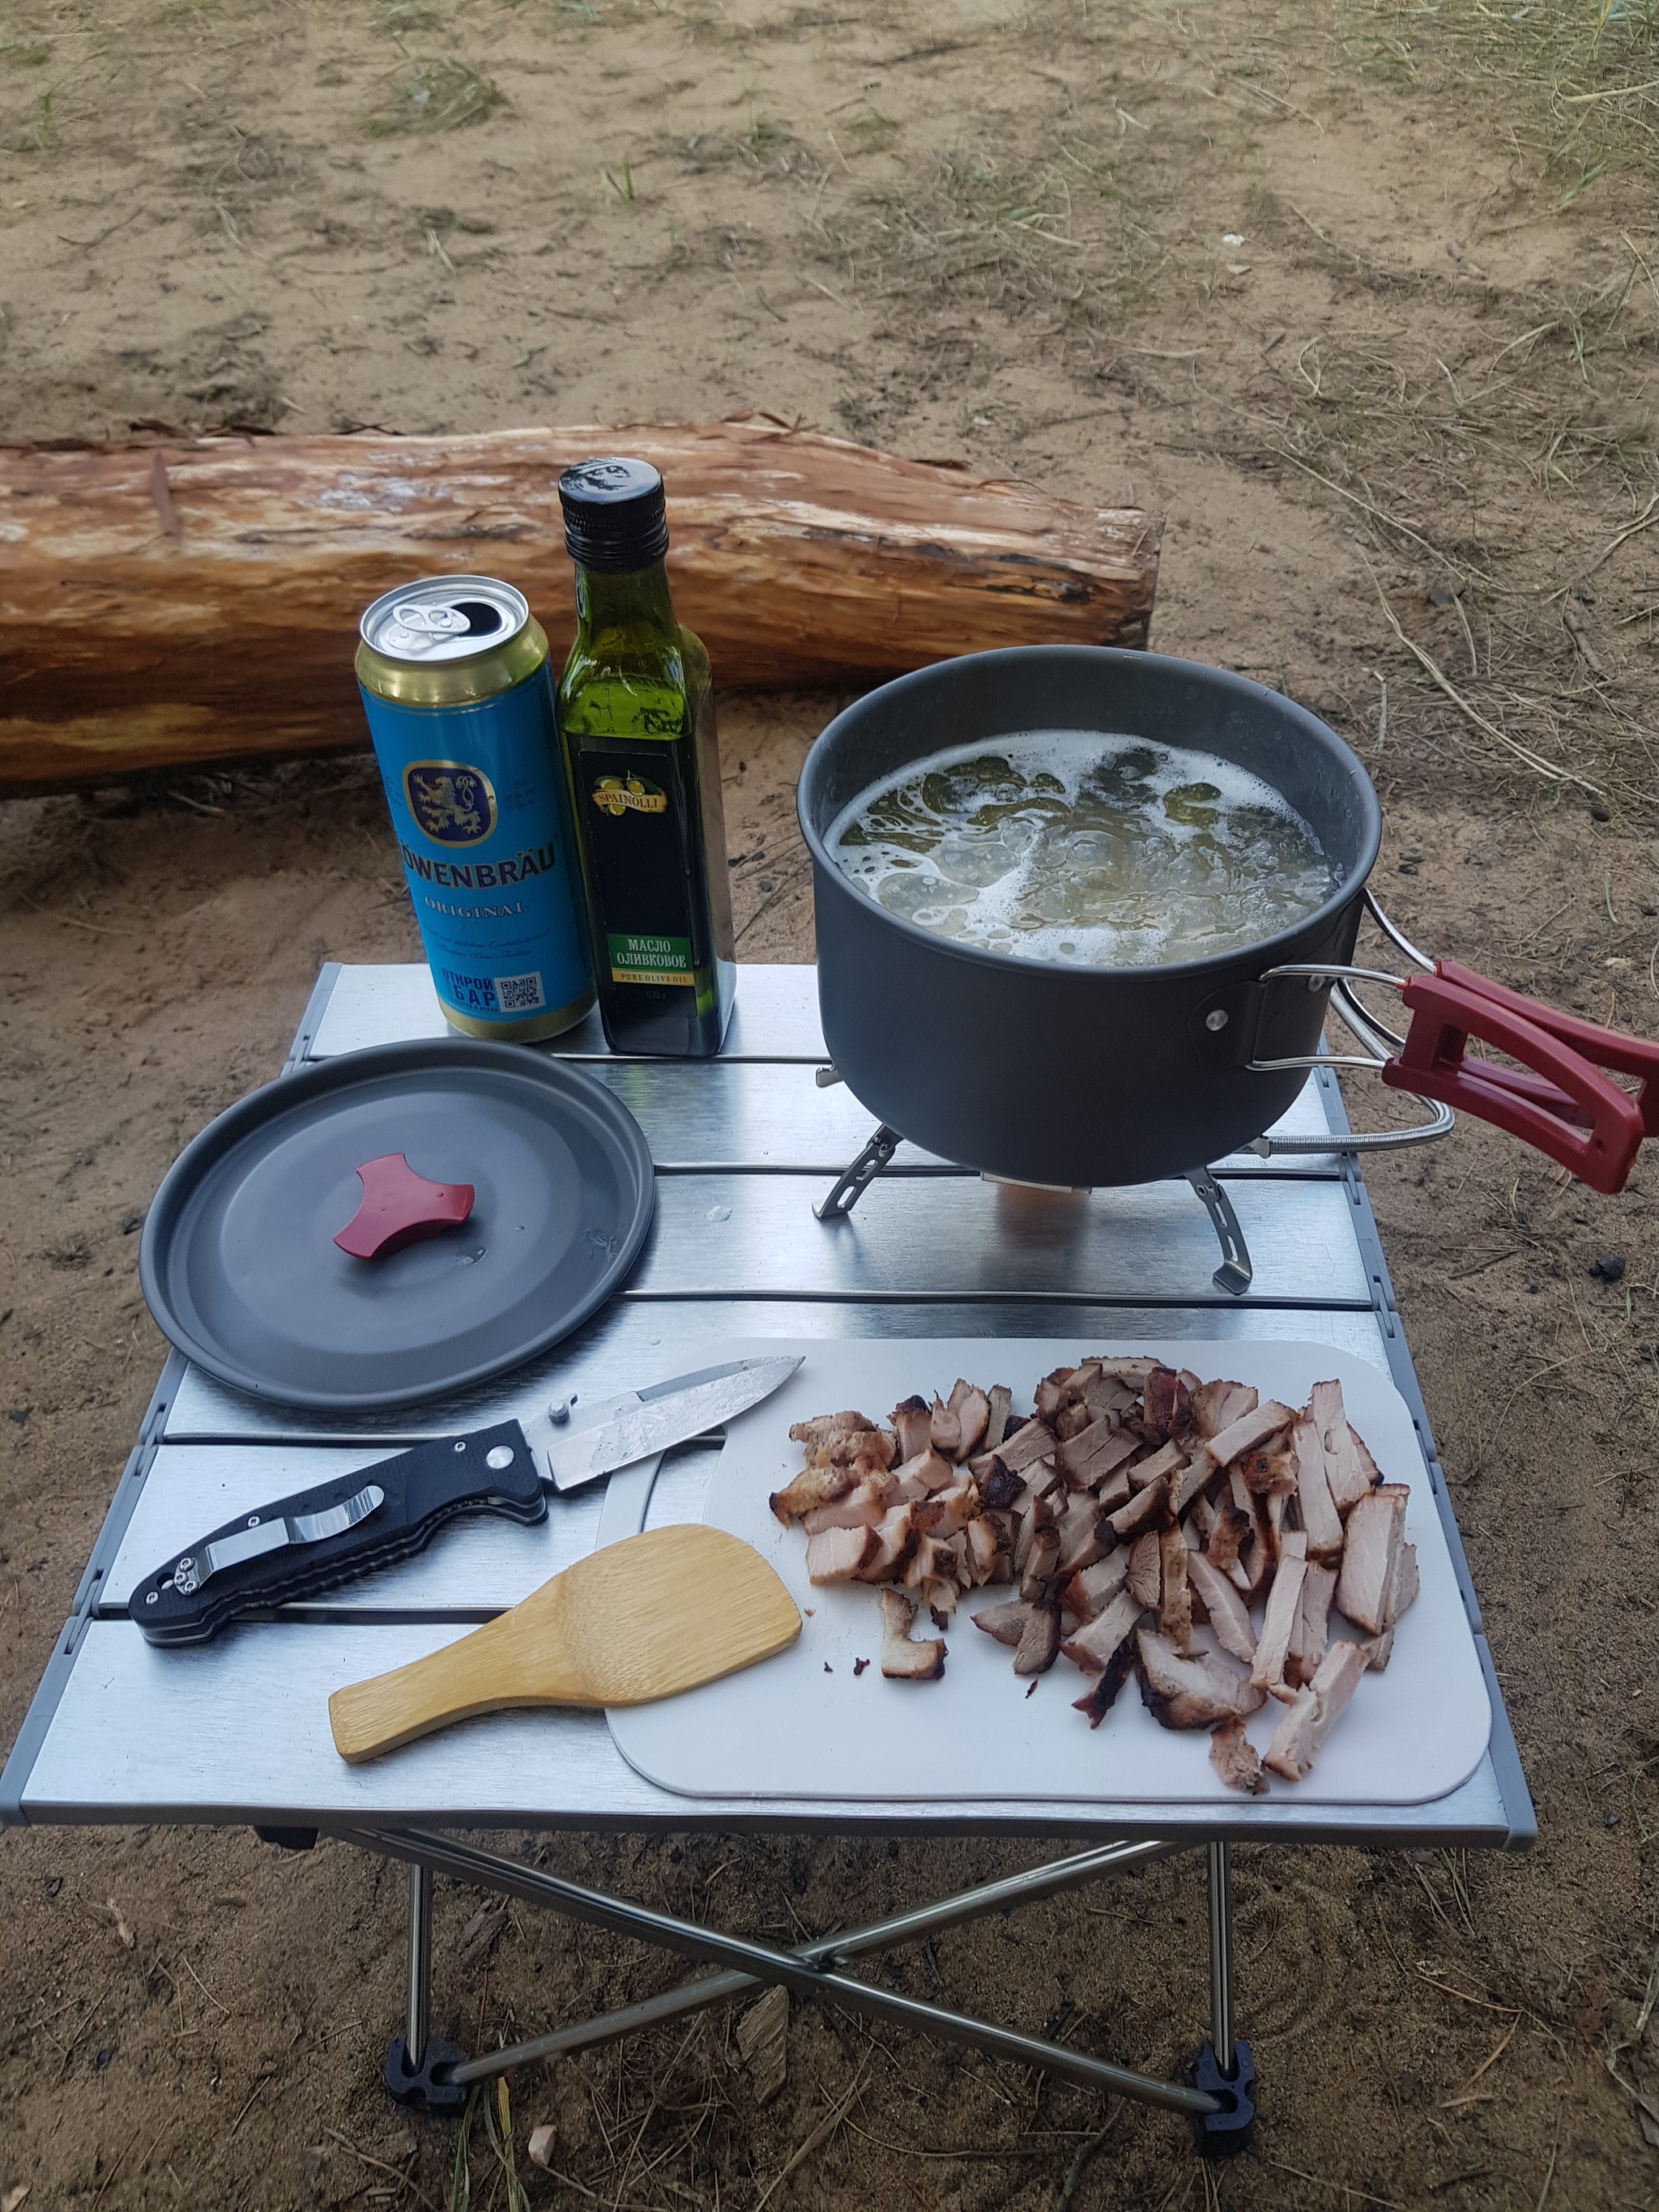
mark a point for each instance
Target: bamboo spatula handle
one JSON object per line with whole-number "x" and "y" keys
{"x": 490, "y": 1671}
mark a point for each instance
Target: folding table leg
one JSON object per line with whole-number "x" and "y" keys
{"x": 418, "y": 2064}
{"x": 1224, "y": 2065}
{"x": 761, "y": 1962}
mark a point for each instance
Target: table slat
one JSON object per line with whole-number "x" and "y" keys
{"x": 239, "y": 1731}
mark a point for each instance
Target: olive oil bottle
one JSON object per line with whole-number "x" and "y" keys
{"x": 637, "y": 723}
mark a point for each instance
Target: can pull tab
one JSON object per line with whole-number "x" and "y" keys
{"x": 400, "y": 1207}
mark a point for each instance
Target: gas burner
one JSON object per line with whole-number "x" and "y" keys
{"x": 1233, "y": 1275}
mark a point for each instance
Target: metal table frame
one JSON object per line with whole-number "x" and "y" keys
{"x": 112, "y": 1738}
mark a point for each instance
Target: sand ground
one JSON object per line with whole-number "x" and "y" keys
{"x": 1361, "y": 298}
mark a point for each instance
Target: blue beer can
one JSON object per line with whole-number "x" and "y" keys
{"x": 455, "y": 682}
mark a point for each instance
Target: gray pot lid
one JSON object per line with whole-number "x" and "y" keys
{"x": 242, "y": 1271}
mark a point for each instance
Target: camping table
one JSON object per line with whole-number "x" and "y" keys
{"x": 745, "y": 1145}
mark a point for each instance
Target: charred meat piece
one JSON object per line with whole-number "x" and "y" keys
{"x": 902, "y": 1661}
{"x": 1089, "y": 1458}
{"x": 913, "y": 1425}
{"x": 1006, "y": 1622}
{"x": 1000, "y": 1402}
{"x": 1234, "y": 1759}
{"x": 945, "y": 1429}
{"x": 1229, "y": 1616}
{"x": 1041, "y": 1564}
{"x": 1175, "y": 1615}
{"x": 1040, "y": 1643}
{"x": 921, "y": 1477}
{"x": 1249, "y": 1430}
{"x": 1284, "y": 1610}
{"x": 945, "y": 1511}
{"x": 1144, "y": 1511}
{"x": 1370, "y": 1556}
{"x": 1350, "y": 1470}
{"x": 1216, "y": 1406}
{"x": 896, "y": 1536}
{"x": 1169, "y": 1459}
{"x": 834, "y": 1555}
{"x": 1000, "y": 1487}
{"x": 1166, "y": 1404}
{"x": 1190, "y": 1482}
{"x": 1269, "y": 1473}
{"x": 932, "y": 1560}
{"x": 1312, "y": 1629}
{"x": 1103, "y": 1696}
{"x": 861, "y": 1508}
{"x": 986, "y": 1542}
{"x": 1091, "y": 1589}
{"x": 1319, "y": 1514}
{"x": 1051, "y": 1395}
{"x": 973, "y": 1419}
{"x": 1104, "y": 1392}
{"x": 1085, "y": 1535}
{"x": 1311, "y": 1718}
{"x": 1145, "y": 1579}
{"x": 1021, "y": 1448}
{"x": 1200, "y": 1692}
{"x": 812, "y": 1486}
{"x": 824, "y": 1428}
{"x": 1094, "y": 1647}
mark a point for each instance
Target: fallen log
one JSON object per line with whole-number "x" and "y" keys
{"x": 185, "y": 603}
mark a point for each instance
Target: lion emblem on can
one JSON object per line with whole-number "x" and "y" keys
{"x": 452, "y": 803}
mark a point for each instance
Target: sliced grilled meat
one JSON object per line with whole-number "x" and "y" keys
{"x": 902, "y": 1661}
{"x": 1234, "y": 1759}
{"x": 1200, "y": 1692}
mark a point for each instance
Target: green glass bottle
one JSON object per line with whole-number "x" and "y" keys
{"x": 636, "y": 723}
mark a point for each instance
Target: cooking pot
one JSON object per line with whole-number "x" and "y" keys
{"x": 1047, "y": 1072}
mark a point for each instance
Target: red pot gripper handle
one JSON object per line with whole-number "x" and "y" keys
{"x": 1560, "y": 1100}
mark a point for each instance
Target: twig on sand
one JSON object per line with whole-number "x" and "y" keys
{"x": 1085, "y": 2151}
{"x": 1472, "y": 713}
{"x": 1342, "y": 2188}
{"x": 820, "y": 2136}
{"x": 380, "y": 2164}
{"x": 1646, "y": 520}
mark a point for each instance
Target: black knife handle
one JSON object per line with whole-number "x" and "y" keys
{"x": 424, "y": 1489}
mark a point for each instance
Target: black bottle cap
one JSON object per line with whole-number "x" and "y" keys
{"x": 615, "y": 517}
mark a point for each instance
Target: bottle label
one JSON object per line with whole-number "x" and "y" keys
{"x": 636, "y": 959}
{"x": 640, "y": 845}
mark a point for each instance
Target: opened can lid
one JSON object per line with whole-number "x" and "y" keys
{"x": 444, "y": 618}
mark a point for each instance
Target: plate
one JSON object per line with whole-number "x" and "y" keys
{"x": 239, "y": 1262}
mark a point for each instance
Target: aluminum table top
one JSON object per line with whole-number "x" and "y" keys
{"x": 236, "y": 1730}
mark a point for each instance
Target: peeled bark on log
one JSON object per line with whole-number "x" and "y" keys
{"x": 179, "y": 604}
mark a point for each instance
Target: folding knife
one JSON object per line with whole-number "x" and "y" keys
{"x": 316, "y": 1539}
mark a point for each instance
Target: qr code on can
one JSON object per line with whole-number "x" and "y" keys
{"x": 519, "y": 994}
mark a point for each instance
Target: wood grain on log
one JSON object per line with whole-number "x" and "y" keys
{"x": 188, "y": 603}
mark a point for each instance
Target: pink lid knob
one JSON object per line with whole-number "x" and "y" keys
{"x": 400, "y": 1207}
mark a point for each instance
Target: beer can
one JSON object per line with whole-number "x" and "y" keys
{"x": 454, "y": 676}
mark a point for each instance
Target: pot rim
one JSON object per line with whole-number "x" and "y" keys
{"x": 1224, "y": 680}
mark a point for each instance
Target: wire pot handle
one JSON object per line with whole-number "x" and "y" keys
{"x": 1560, "y": 1099}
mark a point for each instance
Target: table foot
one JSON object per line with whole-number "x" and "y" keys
{"x": 1225, "y": 2132}
{"x": 856, "y": 1178}
{"x": 1235, "y": 1273}
{"x": 426, "y": 2087}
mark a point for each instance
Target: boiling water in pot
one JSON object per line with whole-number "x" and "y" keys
{"x": 1084, "y": 847}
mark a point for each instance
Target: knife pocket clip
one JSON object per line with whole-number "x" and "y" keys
{"x": 259, "y": 1535}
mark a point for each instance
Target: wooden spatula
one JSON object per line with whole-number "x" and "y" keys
{"x": 644, "y": 1619}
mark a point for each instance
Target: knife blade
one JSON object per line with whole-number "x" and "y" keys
{"x": 312, "y": 1542}
{"x": 670, "y": 1414}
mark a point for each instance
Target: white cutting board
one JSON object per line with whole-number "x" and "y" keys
{"x": 803, "y": 1726}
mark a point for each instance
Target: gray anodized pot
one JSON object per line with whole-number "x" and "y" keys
{"x": 1057, "y": 1074}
